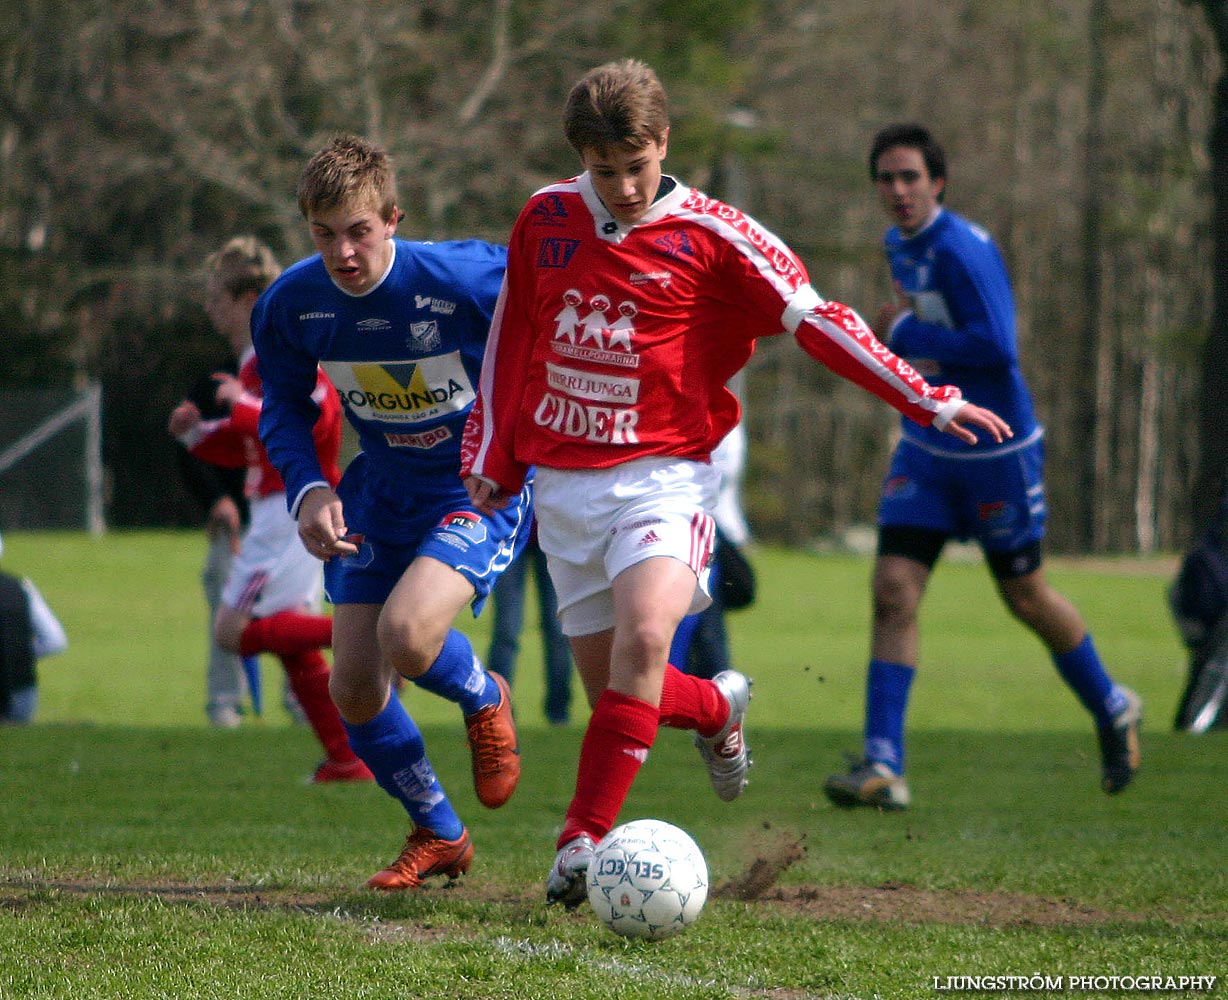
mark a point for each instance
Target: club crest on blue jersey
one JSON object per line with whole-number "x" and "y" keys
{"x": 424, "y": 336}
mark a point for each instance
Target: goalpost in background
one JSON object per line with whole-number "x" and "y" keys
{"x": 51, "y": 472}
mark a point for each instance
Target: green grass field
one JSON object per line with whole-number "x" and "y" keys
{"x": 144, "y": 855}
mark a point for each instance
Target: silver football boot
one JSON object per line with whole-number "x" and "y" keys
{"x": 726, "y": 754}
{"x": 567, "y": 882}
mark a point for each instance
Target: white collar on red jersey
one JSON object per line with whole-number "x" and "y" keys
{"x": 609, "y": 228}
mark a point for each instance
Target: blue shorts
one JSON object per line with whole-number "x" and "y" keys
{"x": 996, "y": 500}
{"x": 439, "y": 522}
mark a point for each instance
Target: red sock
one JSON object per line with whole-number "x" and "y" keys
{"x": 308, "y": 676}
{"x": 689, "y": 702}
{"x": 286, "y": 633}
{"x": 620, "y": 733}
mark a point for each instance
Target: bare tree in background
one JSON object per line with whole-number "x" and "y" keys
{"x": 1212, "y": 475}
{"x": 135, "y": 138}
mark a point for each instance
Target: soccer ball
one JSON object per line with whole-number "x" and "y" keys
{"x": 647, "y": 879}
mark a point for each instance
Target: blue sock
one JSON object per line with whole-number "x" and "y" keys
{"x": 392, "y": 747}
{"x": 1082, "y": 670}
{"x": 457, "y": 675}
{"x": 887, "y": 686}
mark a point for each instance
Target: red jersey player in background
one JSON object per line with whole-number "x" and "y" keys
{"x": 629, "y": 302}
{"x": 274, "y": 586}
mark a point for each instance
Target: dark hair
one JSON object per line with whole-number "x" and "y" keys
{"x": 914, "y": 137}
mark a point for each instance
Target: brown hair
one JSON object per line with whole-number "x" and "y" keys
{"x": 243, "y": 265}
{"x": 348, "y": 170}
{"x": 618, "y": 104}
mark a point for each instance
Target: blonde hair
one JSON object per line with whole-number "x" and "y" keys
{"x": 243, "y": 265}
{"x": 620, "y": 103}
{"x": 349, "y": 170}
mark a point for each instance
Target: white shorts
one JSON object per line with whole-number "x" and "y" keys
{"x": 273, "y": 571}
{"x": 594, "y": 523}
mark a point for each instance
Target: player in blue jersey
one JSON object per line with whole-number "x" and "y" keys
{"x": 953, "y": 318}
{"x": 400, "y": 328}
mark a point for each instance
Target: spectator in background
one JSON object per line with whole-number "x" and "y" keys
{"x": 219, "y": 492}
{"x": 29, "y": 631}
{"x": 508, "y": 597}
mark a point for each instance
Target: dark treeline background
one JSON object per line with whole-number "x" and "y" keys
{"x": 135, "y": 138}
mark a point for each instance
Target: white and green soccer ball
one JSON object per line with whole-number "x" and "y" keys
{"x": 647, "y": 879}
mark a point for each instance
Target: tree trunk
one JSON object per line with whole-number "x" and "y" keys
{"x": 1093, "y": 445}
{"x": 1213, "y": 402}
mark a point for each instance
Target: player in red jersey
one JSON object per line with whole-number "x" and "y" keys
{"x": 274, "y": 584}
{"x": 630, "y": 300}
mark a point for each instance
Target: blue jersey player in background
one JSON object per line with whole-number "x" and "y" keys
{"x": 953, "y": 318}
{"x": 400, "y": 328}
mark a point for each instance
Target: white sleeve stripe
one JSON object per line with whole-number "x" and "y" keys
{"x": 773, "y": 260}
{"x": 860, "y": 354}
{"x": 765, "y": 250}
{"x": 298, "y": 500}
{"x": 486, "y": 380}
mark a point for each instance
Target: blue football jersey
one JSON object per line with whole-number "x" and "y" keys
{"x": 962, "y": 327}
{"x": 404, "y": 357}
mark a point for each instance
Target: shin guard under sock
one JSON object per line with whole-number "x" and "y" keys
{"x": 458, "y": 676}
{"x": 620, "y": 733}
{"x": 1085, "y": 675}
{"x": 392, "y": 747}
{"x": 887, "y": 688}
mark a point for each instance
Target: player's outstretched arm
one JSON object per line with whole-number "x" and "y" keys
{"x": 969, "y": 416}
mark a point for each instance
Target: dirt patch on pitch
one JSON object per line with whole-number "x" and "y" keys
{"x": 896, "y": 902}
{"x": 887, "y": 903}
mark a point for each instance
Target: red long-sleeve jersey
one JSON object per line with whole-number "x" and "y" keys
{"x": 613, "y": 342}
{"x": 235, "y": 440}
